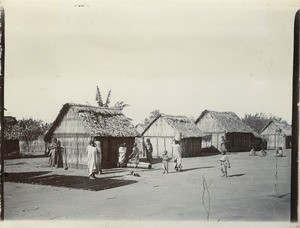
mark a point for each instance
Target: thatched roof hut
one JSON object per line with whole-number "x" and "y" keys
{"x": 277, "y": 134}
{"x": 98, "y": 121}
{"x": 240, "y": 136}
{"x": 226, "y": 121}
{"x": 163, "y": 128}
{"x": 76, "y": 124}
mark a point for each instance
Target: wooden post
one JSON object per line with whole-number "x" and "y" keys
{"x": 2, "y": 33}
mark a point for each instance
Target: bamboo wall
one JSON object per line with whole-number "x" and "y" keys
{"x": 276, "y": 140}
{"x": 161, "y": 135}
{"x": 37, "y": 147}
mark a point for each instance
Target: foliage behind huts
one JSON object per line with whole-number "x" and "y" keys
{"x": 277, "y": 134}
{"x": 161, "y": 132}
{"x": 77, "y": 124}
{"x": 214, "y": 125}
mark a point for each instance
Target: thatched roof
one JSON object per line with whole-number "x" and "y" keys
{"x": 182, "y": 124}
{"x": 284, "y": 127}
{"x": 100, "y": 121}
{"x": 229, "y": 121}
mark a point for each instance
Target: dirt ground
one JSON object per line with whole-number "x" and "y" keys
{"x": 35, "y": 192}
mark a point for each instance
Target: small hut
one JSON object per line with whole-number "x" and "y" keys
{"x": 277, "y": 134}
{"x": 76, "y": 124}
{"x": 214, "y": 125}
{"x": 162, "y": 130}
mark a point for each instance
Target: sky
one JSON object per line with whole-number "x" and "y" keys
{"x": 180, "y": 57}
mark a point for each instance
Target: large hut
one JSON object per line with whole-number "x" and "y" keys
{"x": 162, "y": 130}
{"x": 239, "y": 136}
{"x": 277, "y": 134}
{"x": 76, "y": 124}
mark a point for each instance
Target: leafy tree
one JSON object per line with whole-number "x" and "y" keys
{"x": 259, "y": 120}
{"x": 26, "y": 130}
{"x": 155, "y": 113}
{"x": 120, "y": 104}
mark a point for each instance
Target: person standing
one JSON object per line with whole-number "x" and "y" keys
{"x": 122, "y": 155}
{"x": 165, "y": 164}
{"x": 177, "y": 155}
{"x": 224, "y": 163}
{"x": 52, "y": 151}
{"x": 92, "y": 158}
{"x": 149, "y": 150}
{"x": 134, "y": 158}
{"x": 223, "y": 145}
{"x": 59, "y": 156}
{"x": 99, "y": 154}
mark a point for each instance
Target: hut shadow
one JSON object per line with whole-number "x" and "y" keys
{"x": 73, "y": 182}
{"x": 190, "y": 169}
{"x": 236, "y": 175}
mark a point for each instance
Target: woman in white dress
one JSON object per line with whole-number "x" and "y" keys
{"x": 92, "y": 160}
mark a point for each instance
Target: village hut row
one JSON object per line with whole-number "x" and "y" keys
{"x": 77, "y": 124}
{"x": 277, "y": 134}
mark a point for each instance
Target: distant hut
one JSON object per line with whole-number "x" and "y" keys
{"x": 162, "y": 130}
{"x": 277, "y": 134}
{"x": 76, "y": 124}
{"x": 214, "y": 125}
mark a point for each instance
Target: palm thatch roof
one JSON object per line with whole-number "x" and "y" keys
{"x": 182, "y": 124}
{"x": 281, "y": 126}
{"x": 100, "y": 121}
{"x": 229, "y": 122}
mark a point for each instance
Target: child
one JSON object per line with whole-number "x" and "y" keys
{"x": 165, "y": 164}
{"x": 279, "y": 152}
{"x": 224, "y": 163}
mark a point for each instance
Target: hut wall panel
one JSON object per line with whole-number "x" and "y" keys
{"x": 275, "y": 140}
{"x": 209, "y": 124}
{"x": 270, "y": 130}
{"x": 160, "y": 128}
{"x": 71, "y": 124}
{"x": 36, "y": 147}
{"x": 74, "y": 148}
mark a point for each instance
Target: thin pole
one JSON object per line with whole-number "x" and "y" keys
{"x": 2, "y": 30}
{"x": 295, "y": 122}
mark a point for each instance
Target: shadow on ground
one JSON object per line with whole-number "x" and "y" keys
{"x": 236, "y": 175}
{"x": 75, "y": 182}
{"x": 206, "y": 167}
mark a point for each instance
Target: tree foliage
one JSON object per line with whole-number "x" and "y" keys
{"x": 155, "y": 113}
{"x": 119, "y": 105}
{"x": 26, "y": 130}
{"x": 259, "y": 120}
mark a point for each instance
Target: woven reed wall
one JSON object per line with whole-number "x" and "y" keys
{"x": 37, "y": 147}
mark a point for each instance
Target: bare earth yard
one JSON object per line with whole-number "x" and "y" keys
{"x": 35, "y": 192}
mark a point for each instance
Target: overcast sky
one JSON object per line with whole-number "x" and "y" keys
{"x": 180, "y": 57}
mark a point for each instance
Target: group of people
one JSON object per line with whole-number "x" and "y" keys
{"x": 55, "y": 153}
{"x": 177, "y": 155}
